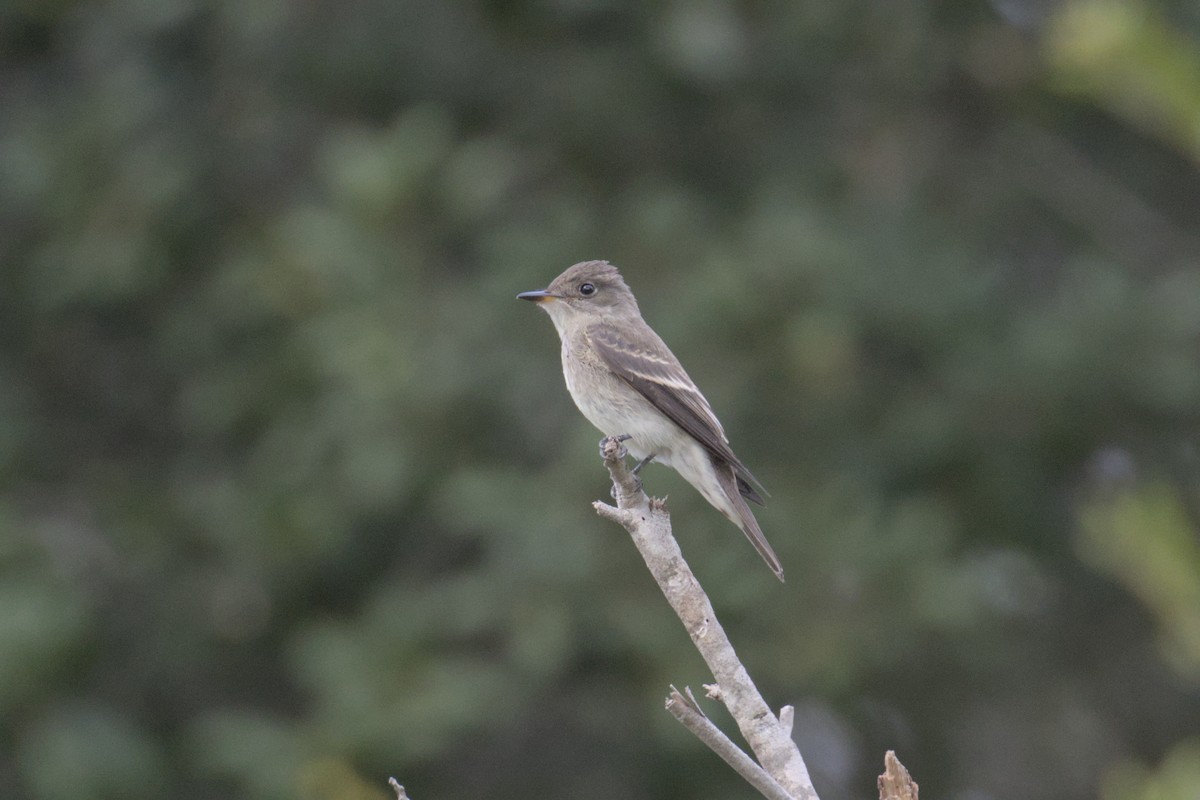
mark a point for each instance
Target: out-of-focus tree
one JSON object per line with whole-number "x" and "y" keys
{"x": 292, "y": 498}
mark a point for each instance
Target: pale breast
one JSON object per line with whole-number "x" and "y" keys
{"x": 615, "y": 407}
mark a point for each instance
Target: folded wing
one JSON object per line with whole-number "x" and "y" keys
{"x": 651, "y": 369}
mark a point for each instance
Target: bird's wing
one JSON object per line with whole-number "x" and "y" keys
{"x": 652, "y": 369}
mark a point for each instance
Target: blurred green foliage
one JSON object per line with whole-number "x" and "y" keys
{"x": 293, "y": 498}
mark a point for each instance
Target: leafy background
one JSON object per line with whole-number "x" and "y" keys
{"x": 293, "y": 498}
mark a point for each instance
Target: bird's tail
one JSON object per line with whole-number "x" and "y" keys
{"x": 743, "y": 517}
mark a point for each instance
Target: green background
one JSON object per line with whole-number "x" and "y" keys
{"x": 292, "y": 497}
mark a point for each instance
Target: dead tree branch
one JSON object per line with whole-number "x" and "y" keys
{"x": 895, "y": 783}
{"x": 649, "y": 525}
{"x": 688, "y": 712}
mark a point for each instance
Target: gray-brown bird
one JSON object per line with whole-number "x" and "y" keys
{"x": 627, "y": 382}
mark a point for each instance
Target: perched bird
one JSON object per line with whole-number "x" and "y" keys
{"x": 626, "y": 381}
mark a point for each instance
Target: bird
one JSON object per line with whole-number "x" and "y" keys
{"x": 628, "y": 383}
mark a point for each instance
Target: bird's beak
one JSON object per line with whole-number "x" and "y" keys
{"x": 540, "y": 296}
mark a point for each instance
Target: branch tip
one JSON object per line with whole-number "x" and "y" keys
{"x": 618, "y": 515}
{"x": 787, "y": 717}
{"x": 895, "y": 783}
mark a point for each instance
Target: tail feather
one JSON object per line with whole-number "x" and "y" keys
{"x": 732, "y": 486}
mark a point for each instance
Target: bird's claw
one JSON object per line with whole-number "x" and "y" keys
{"x": 622, "y": 452}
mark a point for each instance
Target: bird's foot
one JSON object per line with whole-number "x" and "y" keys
{"x": 614, "y": 442}
{"x": 642, "y": 463}
{"x": 622, "y": 452}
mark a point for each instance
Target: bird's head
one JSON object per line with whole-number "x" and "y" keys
{"x": 587, "y": 291}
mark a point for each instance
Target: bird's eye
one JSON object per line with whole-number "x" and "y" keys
{"x": 587, "y": 289}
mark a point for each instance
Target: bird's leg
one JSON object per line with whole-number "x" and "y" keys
{"x": 638, "y": 468}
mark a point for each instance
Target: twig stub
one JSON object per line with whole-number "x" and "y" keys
{"x": 895, "y": 783}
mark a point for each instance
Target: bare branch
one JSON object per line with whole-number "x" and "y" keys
{"x": 895, "y": 783}
{"x": 649, "y": 525}
{"x": 688, "y": 712}
{"x": 398, "y": 789}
